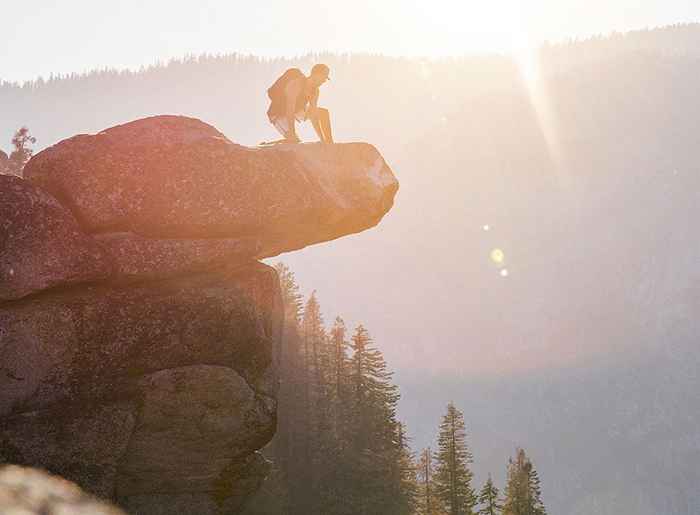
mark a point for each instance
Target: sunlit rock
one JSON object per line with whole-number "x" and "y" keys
{"x": 177, "y": 177}
{"x": 41, "y": 245}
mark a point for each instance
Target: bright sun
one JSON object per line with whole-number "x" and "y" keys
{"x": 454, "y": 27}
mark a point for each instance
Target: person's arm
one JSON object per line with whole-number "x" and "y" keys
{"x": 313, "y": 104}
{"x": 292, "y": 92}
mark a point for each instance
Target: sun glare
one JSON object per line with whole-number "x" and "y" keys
{"x": 526, "y": 55}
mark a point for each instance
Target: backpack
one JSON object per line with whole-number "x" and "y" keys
{"x": 277, "y": 89}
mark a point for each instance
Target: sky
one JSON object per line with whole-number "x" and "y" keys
{"x": 47, "y": 37}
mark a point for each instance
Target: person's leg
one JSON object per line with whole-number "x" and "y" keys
{"x": 281, "y": 125}
{"x": 317, "y": 125}
{"x": 324, "y": 120}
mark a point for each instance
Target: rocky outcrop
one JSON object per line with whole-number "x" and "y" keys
{"x": 177, "y": 177}
{"x": 138, "y": 333}
{"x": 41, "y": 244}
{"x": 28, "y": 491}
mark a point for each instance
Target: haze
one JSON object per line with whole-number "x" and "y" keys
{"x": 51, "y": 37}
{"x": 539, "y": 266}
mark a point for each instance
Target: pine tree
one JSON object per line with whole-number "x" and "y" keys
{"x": 488, "y": 498}
{"x": 4, "y": 163}
{"x": 291, "y": 298}
{"x": 428, "y": 504}
{"x": 406, "y": 483}
{"x": 371, "y": 405}
{"x": 334, "y": 425}
{"x": 523, "y": 494}
{"x": 452, "y": 473}
{"x": 374, "y": 396}
{"x": 21, "y": 142}
{"x": 315, "y": 411}
{"x": 314, "y": 335}
{"x": 339, "y": 449}
{"x": 339, "y": 357}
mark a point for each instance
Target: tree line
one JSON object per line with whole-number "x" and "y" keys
{"x": 340, "y": 448}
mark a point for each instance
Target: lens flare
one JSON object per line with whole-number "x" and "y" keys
{"x": 497, "y": 256}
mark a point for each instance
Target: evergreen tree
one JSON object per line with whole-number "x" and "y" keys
{"x": 21, "y": 142}
{"x": 488, "y": 498}
{"x": 314, "y": 335}
{"x": 335, "y": 424}
{"x": 406, "y": 483}
{"x": 523, "y": 494}
{"x": 339, "y": 358}
{"x": 452, "y": 473}
{"x": 428, "y": 504}
{"x": 373, "y": 444}
{"x": 4, "y": 162}
{"x": 315, "y": 410}
{"x": 291, "y": 298}
{"x": 339, "y": 449}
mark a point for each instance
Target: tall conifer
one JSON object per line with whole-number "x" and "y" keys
{"x": 488, "y": 499}
{"x": 523, "y": 495}
{"x": 452, "y": 473}
{"x": 428, "y": 503}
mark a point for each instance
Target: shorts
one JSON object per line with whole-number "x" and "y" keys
{"x": 281, "y": 124}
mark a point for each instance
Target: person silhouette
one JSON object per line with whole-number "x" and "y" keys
{"x": 294, "y": 97}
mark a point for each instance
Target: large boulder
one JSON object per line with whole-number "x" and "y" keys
{"x": 177, "y": 177}
{"x": 136, "y": 390}
{"x": 111, "y": 334}
{"x": 41, "y": 244}
{"x": 197, "y": 427}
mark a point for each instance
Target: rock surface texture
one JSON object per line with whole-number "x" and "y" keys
{"x": 41, "y": 244}
{"x": 25, "y": 491}
{"x": 177, "y": 177}
{"x": 138, "y": 333}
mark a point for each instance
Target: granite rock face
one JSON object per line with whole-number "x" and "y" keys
{"x": 139, "y": 336}
{"x": 111, "y": 334}
{"x": 177, "y": 177}
{"x": 41, "y": 244}
{"x": 157, "y": 387}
